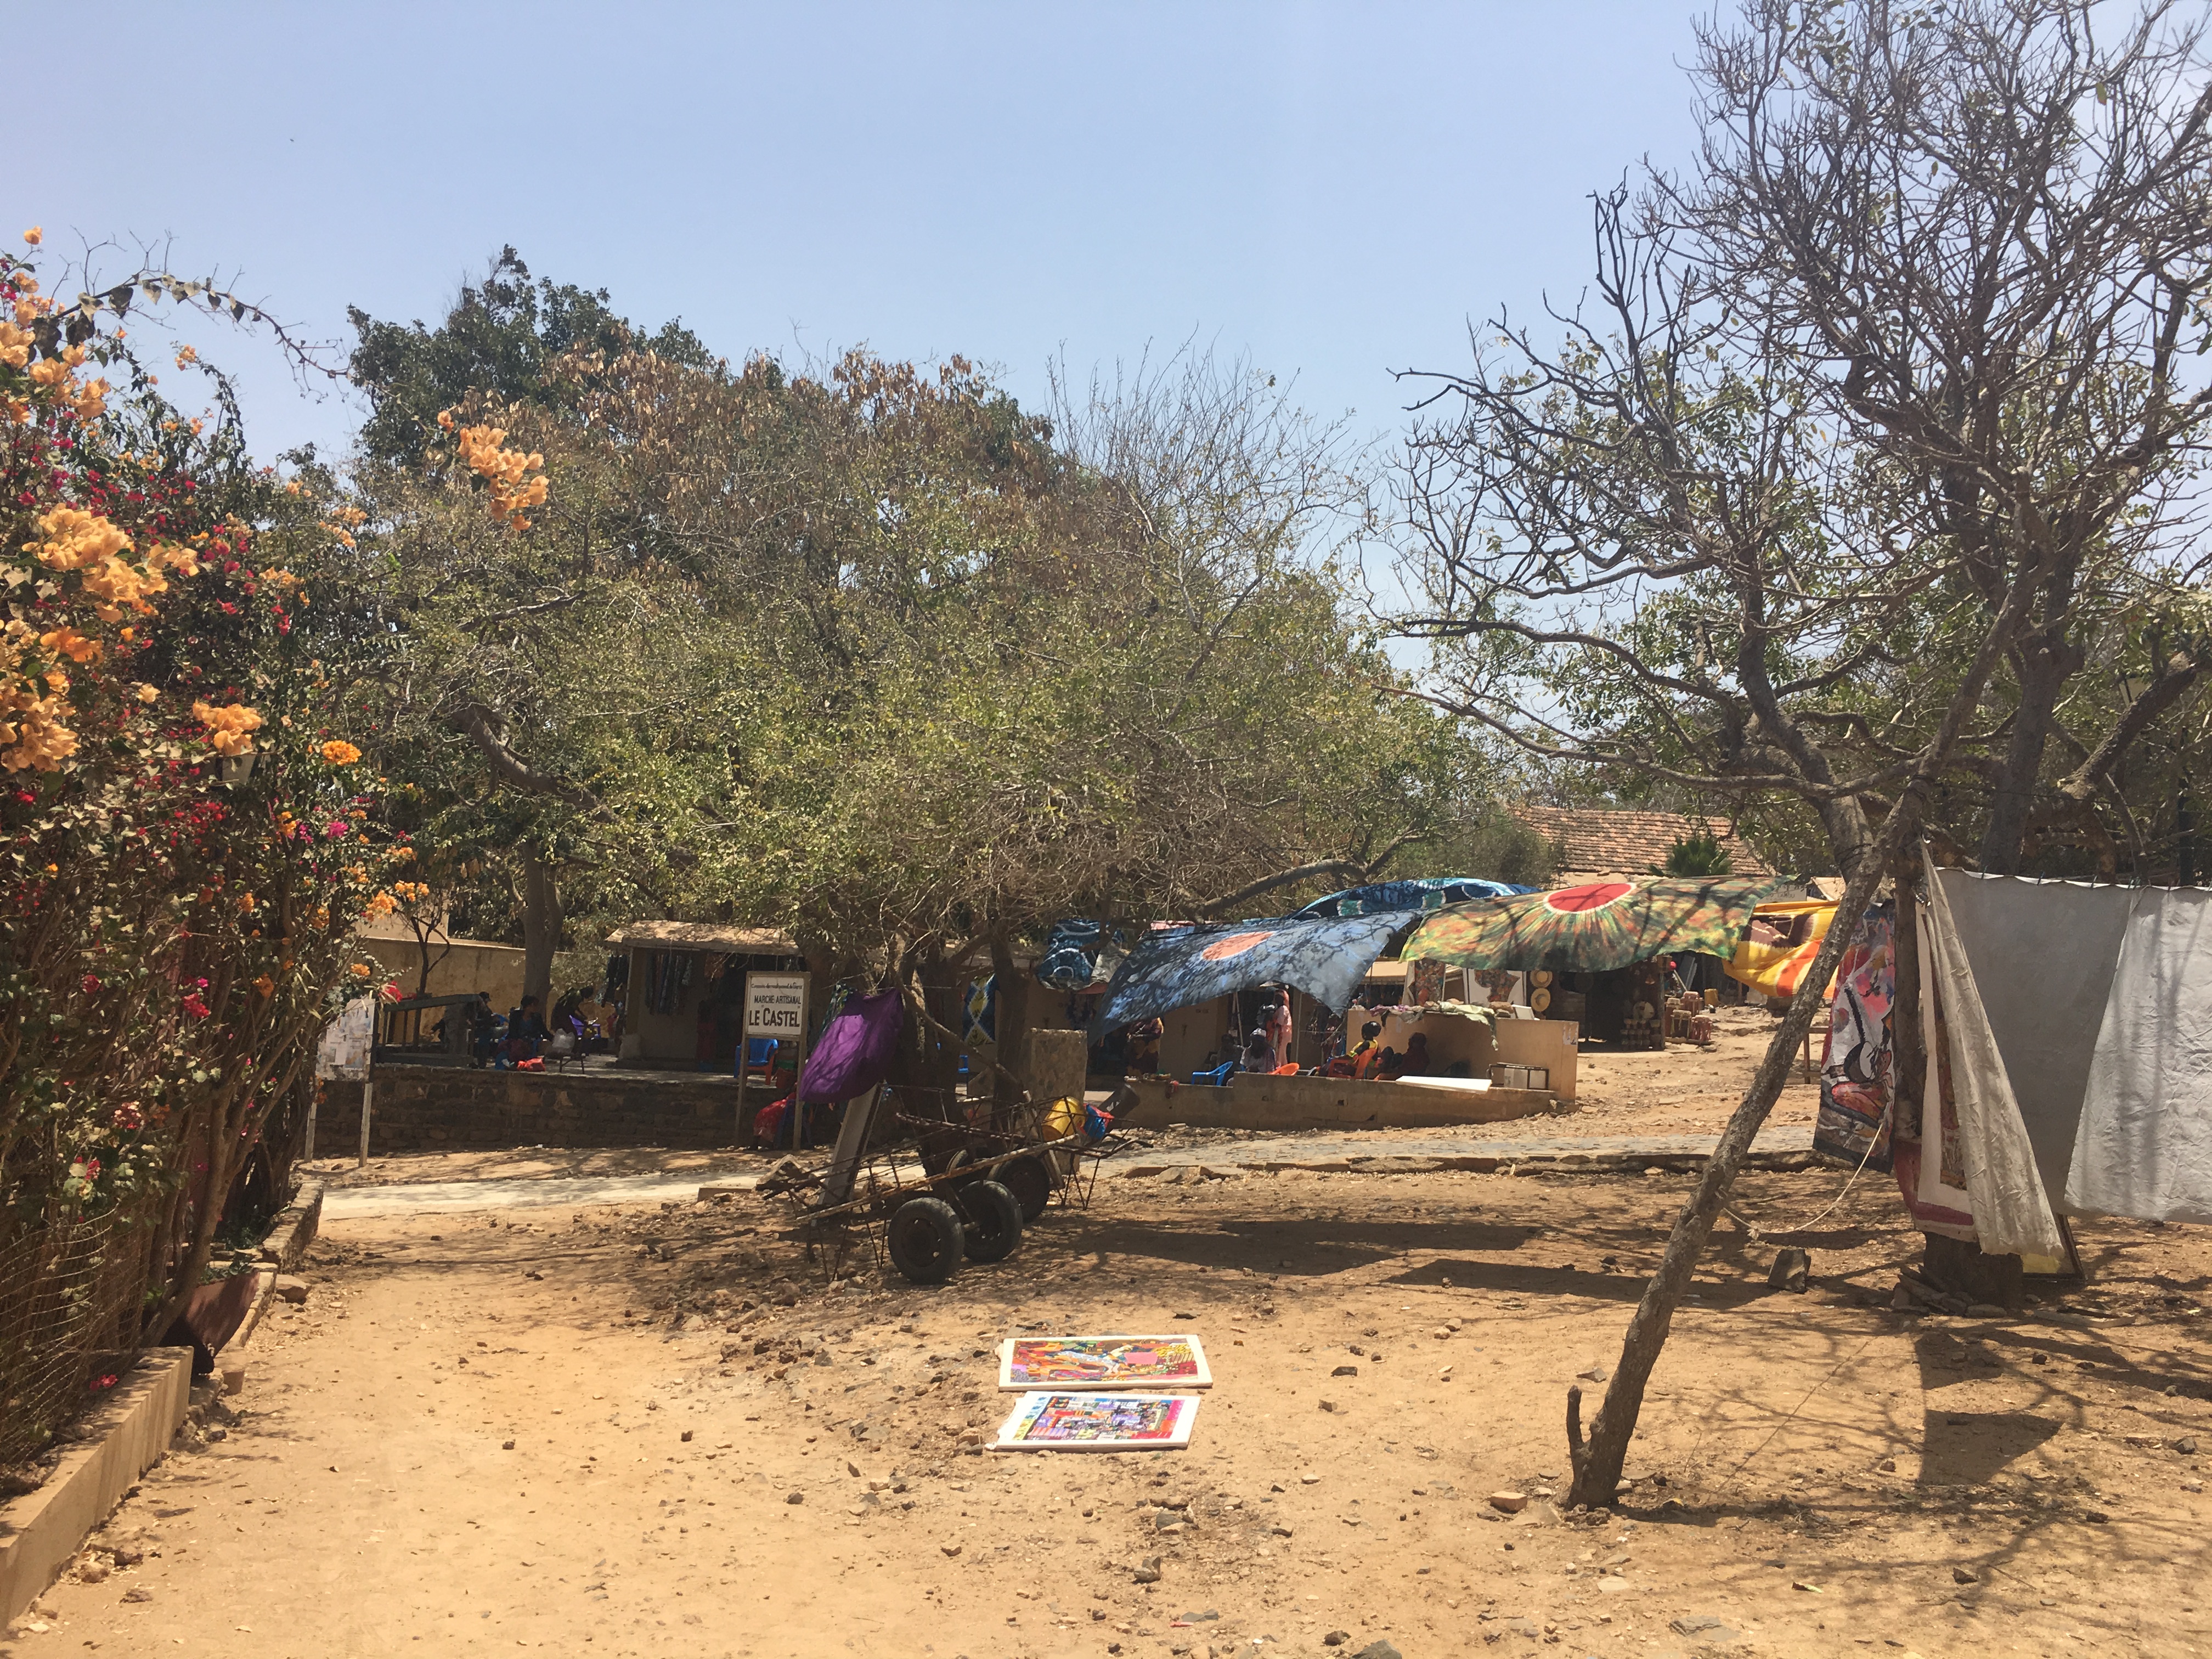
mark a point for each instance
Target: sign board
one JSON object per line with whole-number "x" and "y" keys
{"x": 776, "y": 1006}
{"x": 343, "y": 1054}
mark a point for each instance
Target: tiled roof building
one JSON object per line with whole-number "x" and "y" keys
{"x": 1596, "y": 840}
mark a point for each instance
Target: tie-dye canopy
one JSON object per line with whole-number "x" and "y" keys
{"x": 1597, "y": 926}
{"x": 1325, "y": 957}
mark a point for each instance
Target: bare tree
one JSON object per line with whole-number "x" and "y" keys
{"x": 1683, "y": 544}
{"x": 1982, "y": 231}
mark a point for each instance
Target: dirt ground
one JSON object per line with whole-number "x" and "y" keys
{"x": 665, "y": 1431}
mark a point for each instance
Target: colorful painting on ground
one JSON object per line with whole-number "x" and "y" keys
{"x": 1101, "y": 1362}
{"x": 1098, "y": 1422}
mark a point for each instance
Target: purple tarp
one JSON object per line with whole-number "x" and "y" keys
{"x": 855, "y": 1050}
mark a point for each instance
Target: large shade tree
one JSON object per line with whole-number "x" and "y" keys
{"x": 1871, "y": 420}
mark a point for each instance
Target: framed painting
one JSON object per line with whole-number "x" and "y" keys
{"x": 1046, "y": 1421}
{"x": 1101, "y": 1362}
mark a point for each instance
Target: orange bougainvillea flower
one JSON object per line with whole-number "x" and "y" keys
{"x": 483, "y": 450}
{"x": 230, "y": 726}
{"x": 265, "y": 985}
{"x": 338, "y": 752}
{"x": 34, "y": 235}
{"x": 68, "y": 642}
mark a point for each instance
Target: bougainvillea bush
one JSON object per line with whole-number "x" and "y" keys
{"x": 186, "y": 846}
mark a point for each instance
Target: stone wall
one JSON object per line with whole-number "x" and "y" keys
{"x": 1256, "y": 1102}
{"x": 450, "y": 1108}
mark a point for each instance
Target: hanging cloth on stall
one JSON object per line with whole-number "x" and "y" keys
{"x": 1773, "y": 957}
{"x": 2042, "y": 954}
{"x": 2011, "y": 1214}
{"x": 1595, "y": 926}
{"x": 1853, "y": 1126}
{"x": 979, "y": 1012}
{"x": 853, "y": 1052}
{"x": 2144, "y": 1145}
{"x": 1324, "y": 957}
{"x": 1077, "y": 955}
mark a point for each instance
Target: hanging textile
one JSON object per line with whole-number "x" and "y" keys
{"x": 2042, "y": 954}
{"x": 1924, "y": 1134}
{"x": 2010, "y": 1212}
{"x": 853, "y": 1052}
{"x": 1781, "y": 945}
{"x": 1077, "y": 954}
{"x": 1595, "y": 926}
{"x": 2144, "y": 1147}
{"x": 979, "y": 1014}
{"x": 1324, "y": 957}
{"x": 1854, "y": 1123}
{"x": 1416, "y": 893}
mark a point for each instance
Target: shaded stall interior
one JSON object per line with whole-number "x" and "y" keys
{"x": 683, "y": 986}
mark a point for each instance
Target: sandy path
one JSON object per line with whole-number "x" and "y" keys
{"x": 365, "y": 1505}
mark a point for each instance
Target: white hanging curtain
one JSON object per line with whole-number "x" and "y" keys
{"x": 2012, "y": 1217}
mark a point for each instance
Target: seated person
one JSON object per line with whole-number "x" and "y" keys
{"x": 525, "y": 1031}
{"x": 1415, "y": 1062}
{"x": 1366, "y": 1056}
{"x": 1259, "y": 1052}
{"x": 1389, "y": 1065}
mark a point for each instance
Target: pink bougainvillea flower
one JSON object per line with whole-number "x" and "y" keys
{"x": 336, "y": 828}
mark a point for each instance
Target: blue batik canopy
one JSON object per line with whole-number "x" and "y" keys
{"x": 1325, "y": 957}
{"x": 1415, "y": 893}
{"x": 1076, "y": 955}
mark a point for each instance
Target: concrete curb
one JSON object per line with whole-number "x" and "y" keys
{"x": 1533, "y": 1164}
{"x": 126, "y": 1435}
{"x": 294, "y": 1229}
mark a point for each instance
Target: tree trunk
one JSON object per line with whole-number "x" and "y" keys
{"x": 2047, "y": 661}
{"x": 1598, "y": 1465}
{"x": 541, "y": 927}
{"x": 1016, "y": 1005}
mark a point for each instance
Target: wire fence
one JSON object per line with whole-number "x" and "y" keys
{"x": 64, "y": 1291}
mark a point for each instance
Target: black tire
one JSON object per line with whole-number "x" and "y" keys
{"x": 1030, "y": 1182}
{"x": 925, "y": 1240}
{"x": 992, "y": 1217}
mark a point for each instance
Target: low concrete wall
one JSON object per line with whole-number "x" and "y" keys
{"x": 122, "y": 1437}
{"x": 1253, "y": 1101}
{"x": 425, "y": 1109}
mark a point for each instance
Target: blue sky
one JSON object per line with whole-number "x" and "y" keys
{"x": 1333, "y": 190}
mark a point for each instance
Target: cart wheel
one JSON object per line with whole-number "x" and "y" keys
{"x": 993, "y": 1218}
{"x": 1030, "y": 1182}
{"x": 925, "y": 1240}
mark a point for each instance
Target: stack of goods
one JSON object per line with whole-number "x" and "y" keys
{"x": 1692, "y": 1020}
{"x": 1084, "y": 1393}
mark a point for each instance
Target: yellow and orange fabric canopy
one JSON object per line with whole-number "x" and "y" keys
{"x": 1783, "y": 941}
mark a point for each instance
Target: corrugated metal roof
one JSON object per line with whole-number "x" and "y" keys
{"x": 705, "y": 936}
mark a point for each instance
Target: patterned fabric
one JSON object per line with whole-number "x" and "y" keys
{"x": 1783, "y": 941}
{"x": 1325, "y": 957}
{"x": 1596, "y": 927}
{"x": 1854, "y": 1121}
{"x": 980, "y": 1013}
{"x": 1073, "y": 955}
{"x": 1417, "y": 893}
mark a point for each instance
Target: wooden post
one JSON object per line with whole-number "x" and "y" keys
{"x": 368, "y": 1102}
